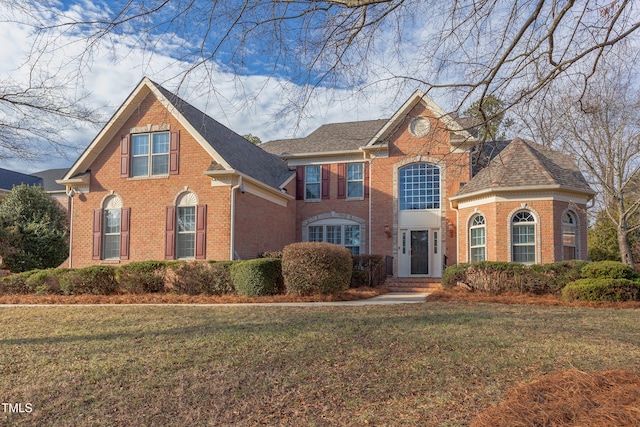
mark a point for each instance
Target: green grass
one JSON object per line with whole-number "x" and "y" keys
{"x": 423, "y": 364}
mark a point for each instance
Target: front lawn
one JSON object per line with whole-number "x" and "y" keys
{"x": 430, "y": 364}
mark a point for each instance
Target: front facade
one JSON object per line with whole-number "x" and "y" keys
{"x": 164, "y": 181}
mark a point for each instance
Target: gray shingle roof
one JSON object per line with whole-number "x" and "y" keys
{"x": 328, "y": 138}
{"x": 9, "y": 178}
{"x": 49, "y": 177}
{"x": 241, "y": 155}
{"x": 527, "y": 164}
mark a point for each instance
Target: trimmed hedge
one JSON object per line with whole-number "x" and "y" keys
{"x": 604, "y": 289}
{"x": 500, "y": 277}
{"x": 96, "y": 280}
{"x": 209, "y": 278}
{"x": 142, "y": 277}
{"x": 367, "y": 270}
{"x": 314, "y": 267}
{"x": 258, "y": 277}
{"x": 608, "y": 269}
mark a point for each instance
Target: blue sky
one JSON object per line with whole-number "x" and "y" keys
{"x": 247, "y": 97}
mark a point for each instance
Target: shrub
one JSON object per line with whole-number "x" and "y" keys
{"x": 606, "y": 289}
{"x": 608, "y": 269}
{"x": 262, "y": 276}
{"x": 454, "y": 274}
{"x": 271, "y": 254}
{"x": 499, "y": 277}
{"x": 314, "y": 267}
{"x": 16, "y": 283}
{"x": 196, "y": 278}
{"x": 45, "y": 282}
{"x": 142, "y": 277}
{"x": 368, "y": 270}
{"x": 96, "y": 280}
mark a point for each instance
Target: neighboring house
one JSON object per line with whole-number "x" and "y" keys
{"x": 55, "y": 190}
{"x": 164, "y": 181}
{"x": 9, "y": 179}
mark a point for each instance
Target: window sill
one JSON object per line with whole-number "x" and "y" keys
{"x": 313, "y": 200}
{"x": 142, "y": 178}
{"x": 354, "y": 199}
{"x": 110, "y": 261}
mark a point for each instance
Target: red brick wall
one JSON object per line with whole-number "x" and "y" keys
{"x": 148, "y": 198}
{"x": 498, "y": 229}
{"x": 262, "y": 225}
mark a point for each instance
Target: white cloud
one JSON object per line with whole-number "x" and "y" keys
{"x": 247, "y": 104}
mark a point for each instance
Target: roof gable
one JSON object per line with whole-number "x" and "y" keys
{"x": 225, "y": 147}
{"x": 525, "y": 164}
{"x": 460, "y": 134}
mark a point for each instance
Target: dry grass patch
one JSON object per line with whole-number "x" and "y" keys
{"x": 570, "y": 398}
{"x": 168, "y": 298}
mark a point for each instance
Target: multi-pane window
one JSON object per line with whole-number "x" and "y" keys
{"x": 355, "y": 180}
{"x": 150, "y": 154}
{"x": 312, "y": 182}
{"x": 111, "y": 236}
{"x": 478, "y": 239}
{"x": 419, "y": 187}
{"x": 569, "y": 236}
{"x": 346, "y": 235}
{"x": 186, "y": 236}
{"x": 523, "y": 238}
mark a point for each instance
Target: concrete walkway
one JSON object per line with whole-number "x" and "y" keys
{"x": 386, "y": 299}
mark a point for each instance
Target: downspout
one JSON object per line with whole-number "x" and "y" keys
{"x": 369, "y": 164}
{"x": 457, "y": 234}
{"x": 71, "y": 193}
{"x": 233, "y": 217}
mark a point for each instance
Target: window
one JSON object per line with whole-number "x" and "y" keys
{"x": 150, "y": 154}
{"x": 111, "y": 239}
{"x": 419, "y": 187}
{"x": 186, "y": 238}
{"x": 312, "y": 182}
{"x": 355, "y": 180}
{"x": 346, "y": 235}
{"x": 523, "y": 238}
{"x": 478, "y": 239}
{"x": 569, "y": 236}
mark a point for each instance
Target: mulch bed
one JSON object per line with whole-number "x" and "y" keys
{"x": 569, "y": 398}
{"x": 349, "y": 295}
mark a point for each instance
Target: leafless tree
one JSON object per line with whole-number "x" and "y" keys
{"x": 602, "y": 131}
{"x": 512, "y": 50}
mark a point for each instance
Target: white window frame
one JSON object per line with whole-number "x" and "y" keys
{"x": 419, "y": 187}
{"x": 185, "y": 233}
{"x": 478, "y": 222}
{"x": 307, "y": 182}
{"x": 150, "y": 154}
{"x": 518, "y": 222}
{"x": 355, "y": 181}
{"x": 112, "y": 235}
{"x": 570, "y": 225}
{"x": 337, "y": 233}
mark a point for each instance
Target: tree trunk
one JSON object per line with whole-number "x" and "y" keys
{"x": 623, "y": 243}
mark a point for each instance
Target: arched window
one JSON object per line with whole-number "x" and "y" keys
{"x": 338, "y": 231}
{"x": 111, "y": 230}
{"x": 569, "y": 235}
{"x": 419, "y": 187}
{"x": 477, "y": 239}
{"x": 523, "y": 238}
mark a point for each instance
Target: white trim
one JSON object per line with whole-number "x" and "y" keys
{"x": 336, "y": 218}
{"x": 536, "y": 227}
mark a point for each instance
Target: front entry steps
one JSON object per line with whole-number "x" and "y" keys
{"x": 412, "y": 284}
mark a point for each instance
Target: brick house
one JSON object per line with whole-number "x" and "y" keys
{"x": 164, "y": 181}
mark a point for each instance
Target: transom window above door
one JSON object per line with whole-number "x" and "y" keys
{"x": 150, "y": 154}
{"x": 419, "y": 187}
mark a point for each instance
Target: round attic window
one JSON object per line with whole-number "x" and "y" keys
{"x": 420, "y": 126}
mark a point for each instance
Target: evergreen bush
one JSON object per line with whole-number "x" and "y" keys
{"x": 258, "y": 277}
{"x": 314, "y": 267}
{"x": 603, "y": 289}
